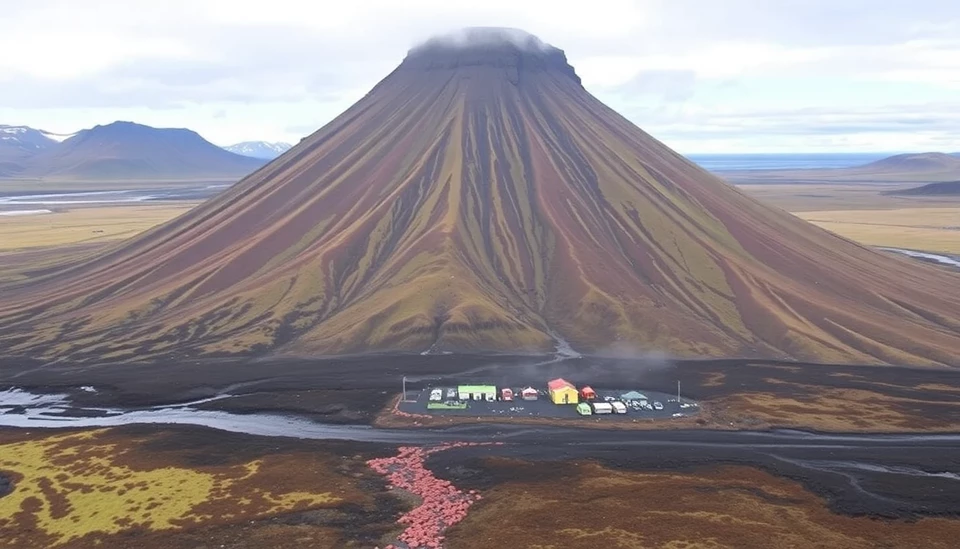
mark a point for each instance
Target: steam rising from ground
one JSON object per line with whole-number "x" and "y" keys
{"x": 620, "y": 366}
{"x": 479, "y": 37}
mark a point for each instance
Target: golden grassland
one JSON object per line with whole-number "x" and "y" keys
{"x": 586, "y": 505}
{"x": 928, "y": 229}
{"x": 85, "y": 488}
{"x": 83, "y": 225}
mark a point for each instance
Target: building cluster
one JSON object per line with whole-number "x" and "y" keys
{"x": 559, "y": 391}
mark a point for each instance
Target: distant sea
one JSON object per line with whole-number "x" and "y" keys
{"x": 812, "y": 161}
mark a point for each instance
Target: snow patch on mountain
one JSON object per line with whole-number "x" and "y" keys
{"x": 58, "y": 137}
{"x": 259, "y": 149}
{"x": 25, "y": 138}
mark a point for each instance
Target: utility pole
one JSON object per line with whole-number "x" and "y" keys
{"x": 404, "y": 397}
{"x": 678, "y": 392}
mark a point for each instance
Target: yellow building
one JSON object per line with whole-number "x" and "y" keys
{"x": 562, "y": 392}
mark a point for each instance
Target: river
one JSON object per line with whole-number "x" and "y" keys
{"x": 887, "y": 474}
{"x": 20, "y": 408}
{"x": 39, "y": 203}
{"x": 949, "y": 260}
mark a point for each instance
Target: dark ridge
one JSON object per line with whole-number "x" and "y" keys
{"x": 946, "y": 188}
{"x": 513, "y": 50}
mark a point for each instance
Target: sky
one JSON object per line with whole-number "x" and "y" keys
{"x": 737, "y": 76}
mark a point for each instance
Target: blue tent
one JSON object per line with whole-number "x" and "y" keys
{"x": 633, "y": 395}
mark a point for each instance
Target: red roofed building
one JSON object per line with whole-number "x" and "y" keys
{"x": 562, "y": 392}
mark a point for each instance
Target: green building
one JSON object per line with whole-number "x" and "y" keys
{"x": 477, "y": 392}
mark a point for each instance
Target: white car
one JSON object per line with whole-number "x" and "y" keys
{"x": 657, "y": 406}
{"x": 436, "y": 395}
{"x": 452, "y": 394}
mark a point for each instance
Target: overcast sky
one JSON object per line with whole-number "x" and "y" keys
{"x": 702, "y": 75}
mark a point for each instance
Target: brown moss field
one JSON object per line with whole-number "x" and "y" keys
{"x": 585, "y": 505}
{"x": 727, "y": 482}
{"x": 834, "y": 410}
{"x": 111, "y": 488}
{"x": 83, "y": 225}
{"x": 153, "y": 488}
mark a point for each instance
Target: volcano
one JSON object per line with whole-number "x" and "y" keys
{"x": 478, "y": 198}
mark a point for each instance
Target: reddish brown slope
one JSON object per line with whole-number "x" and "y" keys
{"x": 480, "y": 198}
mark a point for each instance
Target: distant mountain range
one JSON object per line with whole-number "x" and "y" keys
{"x": 259, "y": 149}
{"x": 121, "y": 150}
{"x": 932, "y": 162}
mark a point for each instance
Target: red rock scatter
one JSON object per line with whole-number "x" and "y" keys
{"x": 398, "y": 412}
{"x": 442, "y": 504}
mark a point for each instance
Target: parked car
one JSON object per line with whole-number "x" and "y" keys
{"x": 452, "y": 394}
{"x": 657, "y": 406}
{"x": 436, "y": 395}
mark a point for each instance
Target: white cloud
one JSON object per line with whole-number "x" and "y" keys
{"x": 687, "y": 69}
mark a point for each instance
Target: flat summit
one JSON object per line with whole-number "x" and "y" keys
{"x": 479, "y": 198}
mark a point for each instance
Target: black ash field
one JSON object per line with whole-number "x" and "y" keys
{"x": 907, "y": 474}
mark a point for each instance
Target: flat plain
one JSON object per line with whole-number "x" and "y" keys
{"x": 931, "y": 229}
{"x": 83, "y": 225}
{"x": 864, "y": 214}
